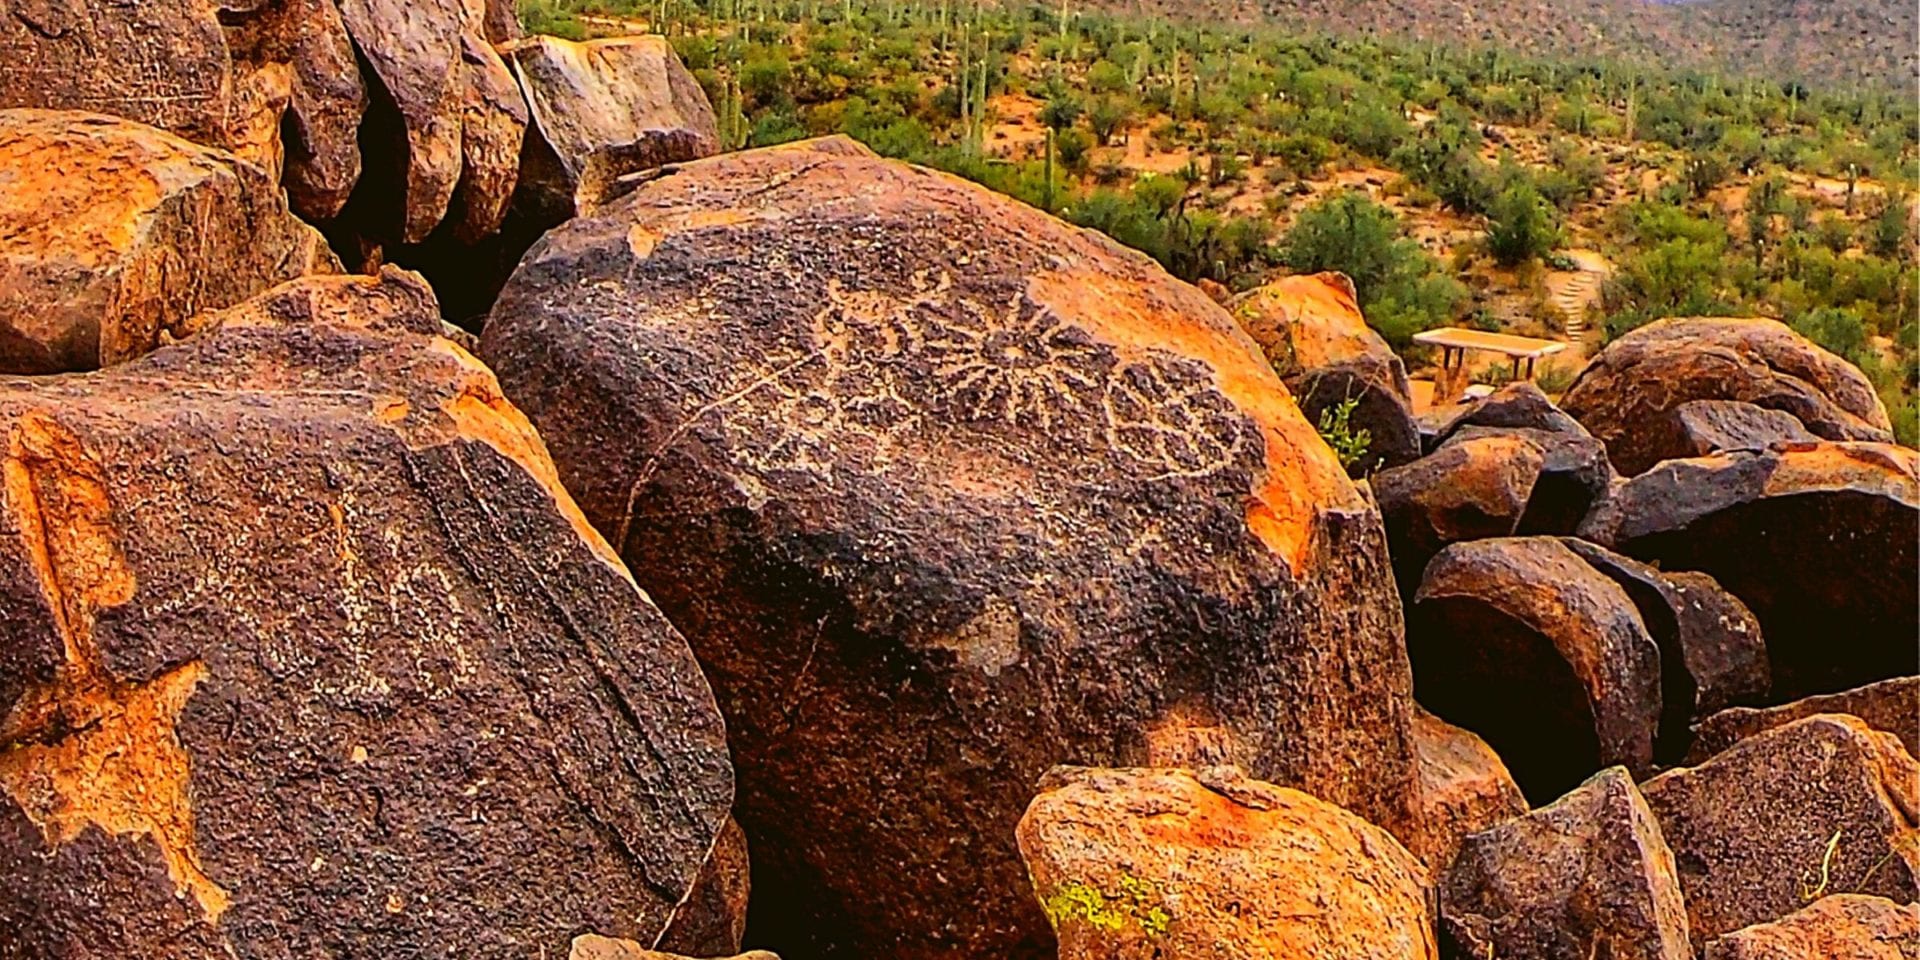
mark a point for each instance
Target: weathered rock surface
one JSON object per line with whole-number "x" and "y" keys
{"x": 1712, "y": 654}
{"x": 1522, "y": 642}
{"x": 1845, "y": 926}
{"x": 1312, "y": 331}
{"x": 1822, "y": 805}
{"x": 1171, "y": 863}
{"x": 1807, "y": 537}
{"x": 714, "y": 917}
{"x": 222, "y": 75}
{"x": 115, "y": 235}
{"x": 592, "y": 946}
{"x": 493, "y": 128}
{"x": 1471, "y": 490}
{"x": 945, "y": 493}
{"x": 1587, "y": 876}
{"x": 1701, "y": 427}
{"x": 1574, "y": 475}
{"x": 289, "y": 669}
{"x": 1625, "y": 394}
{"x": 1464, "y": 788}
{"x": 603, "y": 110}
{"x": 1891, "y": 706}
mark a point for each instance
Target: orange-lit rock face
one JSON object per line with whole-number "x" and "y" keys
{"x": 825, "y": 402}
{"x": 306, "y": 645}
{"x": 1844, "y": 926}
{"x": 1311, "y": 331}
{"x": 114, "y": 234}
{"x": 120, "y": 769}
{"x": 1309, "y": 322}
{"x": 1165, "y": 863}
{"x": 1464, "y": 788}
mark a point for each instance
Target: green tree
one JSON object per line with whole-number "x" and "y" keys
{"x": 1520, "y": 226}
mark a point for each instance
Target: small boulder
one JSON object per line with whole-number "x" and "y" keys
{"x": 603, "y": 110}
{"x": 1891, "y": 706}
{"x": 947, "y": 492}
{"x": 1471, "y": 490}
{"x": 1527, "y": 645}
{"x": 1844, "y": 926}
{"x": 1821, "y": 805}
{"x": 1574, "y": 475}
{"x": 115, "y": 237}
{"x": 1210, "y": 865}
{"x": 1312, "y": 331}
{"x": 1625, "y": 394}
{"x": 1464, "y": 788}
{"x": 1806, "y": 536}
{"x": 1520, "y": 404}
{"x": 1711, "y": 652}
{"x": 1588, "y": 875}
{"x": 307, "y": 647}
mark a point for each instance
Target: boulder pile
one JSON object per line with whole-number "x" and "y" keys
{"x": 821, "y": 554}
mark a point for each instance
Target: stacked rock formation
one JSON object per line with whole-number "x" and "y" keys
{"x": 1311, "y": 330}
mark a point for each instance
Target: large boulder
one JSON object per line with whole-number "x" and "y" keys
{"x": 1524, "y": 643}
{"x": 115, "y": 236}
{"x": 1312, "y": 331}
{"x": 1821, "y": 805}
{"x": 1845, "y": 926}
{"x": 1625, "y": 394}
{"x": 225, "y": 75}
{"x": 1892, "y": 706}
{"x": 1712, "y": 654}
{"x": 1210, "y": 865}
{"x": 1464, "y": 788}
{"x": 945, "y": 493}
{"x": 1806, "y": 536}
{"x": 308, "y": 650}
{"x": 1587, "y": 876}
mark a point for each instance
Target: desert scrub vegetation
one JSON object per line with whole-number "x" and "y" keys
{"x": 1230, "y": 154}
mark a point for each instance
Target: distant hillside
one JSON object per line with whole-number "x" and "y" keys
{"x": 1830, "y": 43}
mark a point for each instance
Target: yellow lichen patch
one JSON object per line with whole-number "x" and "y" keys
{"x": 1302, "y": 476}
{"x": 123, "y": 770}
{"x": 1873, "y": 467}
{"x": 479, "y": 411}
{"x": 86, "y": 749}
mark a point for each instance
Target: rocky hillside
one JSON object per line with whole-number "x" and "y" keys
{"x": 1842, "y": 43}
{"x": 818, "y": 553}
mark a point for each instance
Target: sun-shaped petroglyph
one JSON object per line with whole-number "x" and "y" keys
{"x": 874, "y": 366}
